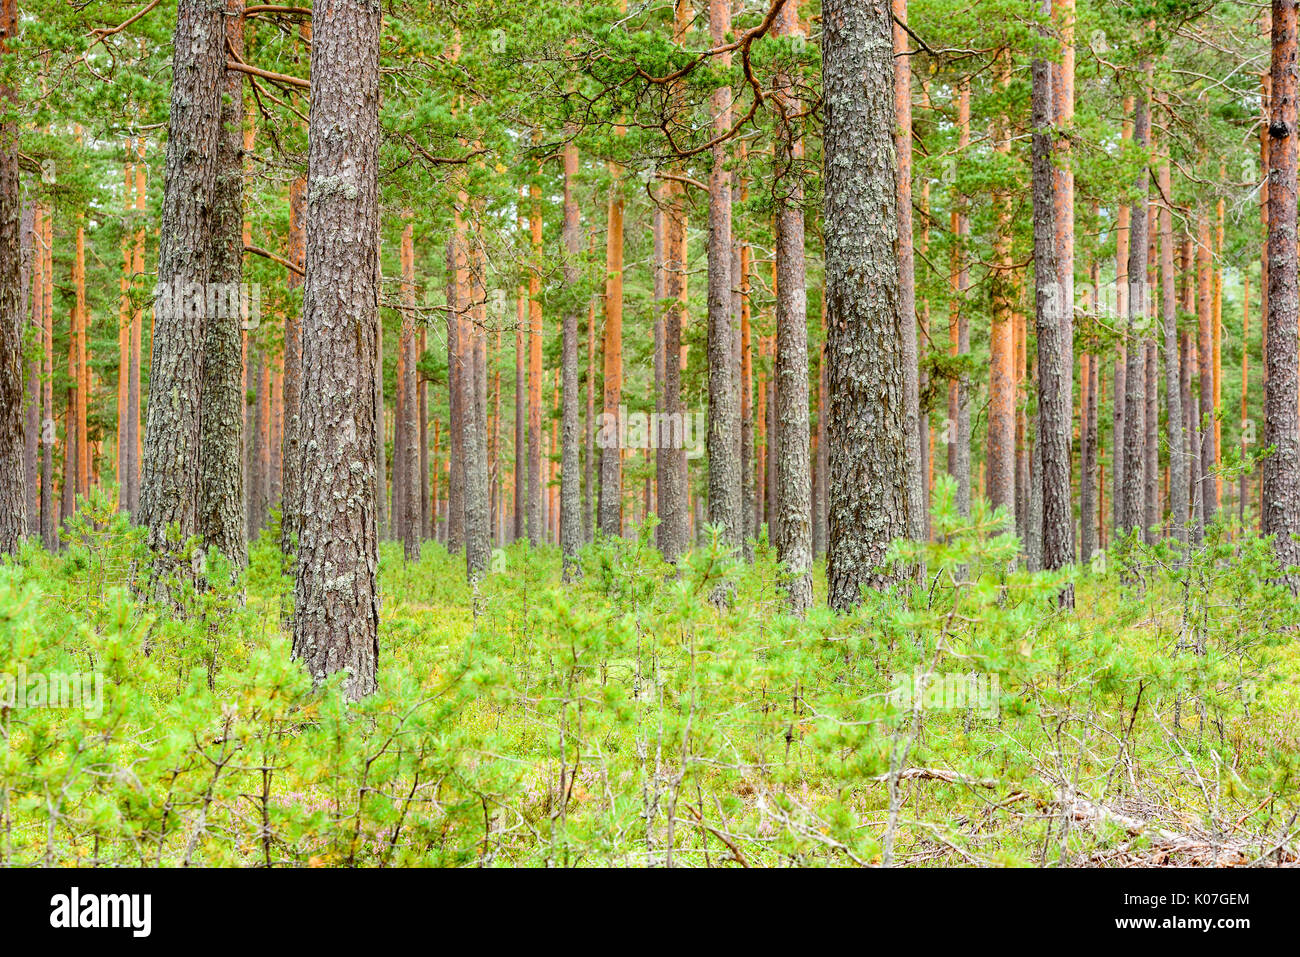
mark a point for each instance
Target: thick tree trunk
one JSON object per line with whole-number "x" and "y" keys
{"x": 13, "y": 477}
{"x": 1055, "y": 374}
{"x": 170, "y": 486}
{"x": 725, "y": 508}
{"x": 793, "y": 491}
{"x": 337, "y": 596}
{"x": 867, "y": 434}
{"x": 221, "y": 491}
{"x": 1281, "y": 517}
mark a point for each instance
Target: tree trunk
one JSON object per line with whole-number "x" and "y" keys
{"x": 456, "y": 303}
{"x": 723, "y": 446}
{"x": 1205, "y": 360}
{"x": 521, "y": 410}
{"x": 793, "y": 491}
{"x": 221, "y": 413}
{"x": 536, "y": 489}
{"x": 867, "y": 433}
{"x": 289, "y": 506}
{"x": 49, "y": 510}
{"x": 674, "y": 527}
{"x": 1178, "y": 497}
{"x": 907, "y": 265}
{"x": 1001, "y": 467}
{"x": 1281, "y": 517}
{"x": 30, "y": 306}
{"x": 957, "y": 428}
{"x": 478, "y": 516}
{"x": 1135, "y": 373}
{"x": 407, "y": 522}
{"x": 610, "y": 498}
{"x": 337, "y": 596}
{"x": 13, "y": 477}
{"x": 570, "y": 494}
{"x": 169, "y": 490}
{"x": 1053, "y": 299}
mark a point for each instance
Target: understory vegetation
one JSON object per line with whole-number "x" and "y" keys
{"x": 658, "y": 715}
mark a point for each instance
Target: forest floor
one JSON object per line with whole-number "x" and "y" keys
{"x": 648, "y": 715}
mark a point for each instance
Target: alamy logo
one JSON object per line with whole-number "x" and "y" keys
{"x": 53, "y": 689}
{"x": 930, "y": 691}
{"x": 656, "y": 430}
{"x": 210, "y": 300}
{"x": 73, "y": 910}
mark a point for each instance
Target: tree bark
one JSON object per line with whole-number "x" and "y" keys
{"x": 867, "y": 434}
{"x": 1053, "y": 298}
{"x": 169, "y": 490}
{"x": 610, "y": 499}
{"x": 13, "y": 477}
{"x": 221, "y": 412}
{"x": 337, "y": 595}
{"x": 1281, "y": 517}
{"x": 536, "y": 488}
{"x": 674, "y": 527}
{"x": 793, "y": 474}
{"x": 725, "y": 508}
{"x": 907, "y": 266}
{"x": 1001, "y": 464}
{"x": 957, "y": 428}
{"x": 570, "y": 481}
{"x": 1178, "y": 498}
{"x": 1135, "y": 373}
{"x": 407, "y": 470}
{"x": 478, "y": 517}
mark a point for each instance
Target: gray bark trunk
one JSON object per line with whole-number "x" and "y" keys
{"x": 337, "y": 595}
{"x": 169, "y": 492}
{"x": 866, "y": 434}
{"x": 221, "y": 413}
{"x": 1055, "y": 372}
{"x": 570, "y": 500}
{"x": 1281, "y": 478}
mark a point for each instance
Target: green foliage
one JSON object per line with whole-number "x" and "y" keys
{"x": 648, "y": 715}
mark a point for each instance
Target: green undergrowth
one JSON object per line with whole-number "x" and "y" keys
{"x": 662, "y": 715}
